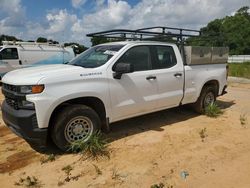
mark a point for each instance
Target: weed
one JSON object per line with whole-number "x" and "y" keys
{"x": 97, "y": 169}
{"x": 29, "y": 182}
{"x": 160, "y": 185}
{"x": 48, "y": 158}
{"x": 203, "y": 134}
{"x": 67, "y": 169}
{"x": 115, "y": 174}
{"x": 243, "y": 119}
{"x": 60, "y": 183}
{"x": 95, "y": 147}
{"x": 213, "y": 110}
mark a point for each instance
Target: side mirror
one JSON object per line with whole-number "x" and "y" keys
{"x": 122, "y": 68}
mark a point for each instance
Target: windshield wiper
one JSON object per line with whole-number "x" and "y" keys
{"x": 78, "y": 65}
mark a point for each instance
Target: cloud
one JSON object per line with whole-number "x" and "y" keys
{"x": 115, "y": 14}
{"x": 78, "y": 3}
{"x": 60, "y": 21}
{"x": 99, "y": 3}
{"x": 57, "y": 26}
{"x": 12, "y": 17}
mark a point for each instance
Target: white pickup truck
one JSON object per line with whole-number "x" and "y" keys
{"x": 105, "y": 84}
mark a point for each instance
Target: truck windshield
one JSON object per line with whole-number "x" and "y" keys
{"x": 96, "y": 56}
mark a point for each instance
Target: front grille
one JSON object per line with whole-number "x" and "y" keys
{"x": 12, "y": 95}
{"x": 12, "y": 102}
{"x": 10, "y": 87}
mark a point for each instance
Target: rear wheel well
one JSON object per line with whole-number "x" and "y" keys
{"x": 214, "y": 84}
{"x": 93, "y": 102}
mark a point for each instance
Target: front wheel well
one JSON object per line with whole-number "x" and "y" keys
{"x": 93, "y": 102}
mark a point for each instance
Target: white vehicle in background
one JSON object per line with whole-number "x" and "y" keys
{"x": 15, "y": 55}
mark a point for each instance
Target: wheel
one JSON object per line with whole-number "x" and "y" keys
{"x": 74, "y": 123}
{"x": 207, "y": 96}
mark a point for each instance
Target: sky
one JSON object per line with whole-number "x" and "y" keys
{"x": 71, "y": 20}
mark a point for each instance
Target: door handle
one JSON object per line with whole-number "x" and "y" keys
{"x": 20, "y": 62}
{"x": 178, "y": 75}
{"x": 151, "y": 78}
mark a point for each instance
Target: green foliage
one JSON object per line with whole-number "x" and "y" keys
{"x": 98, "y": 170}
{"x": 28, "y": 182}
{"x": 243, "y": 120}
{"x": 67, "y": 169}
{"x": 231, "y": 31}
{"x": 160, "y": 185}
{"x": 162, "y": 38}
{"x": 95, "y": 147}
{"x": 41, "y": 39}
{"x": 48, "y": 158}
{"x": 213, "y": 110}
{"x": 8, "y": 38}
{"x": 44, "y": 40}
{"x": 78, "y": 48}
{"x": 239, "y": 69}
{"x": 203, "y": 134}
{"x": 101, "y": 40}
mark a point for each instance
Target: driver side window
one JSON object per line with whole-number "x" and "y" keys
{"x": 9, "y": 53}
{"x": 138, "y": 57}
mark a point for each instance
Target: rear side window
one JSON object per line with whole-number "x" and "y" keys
{"x": 9, "y": 53}
{"x": 138, "y": 56}
{"x": 164, "y": 57}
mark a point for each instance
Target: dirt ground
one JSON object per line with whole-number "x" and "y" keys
{"x": 164, "y": 147}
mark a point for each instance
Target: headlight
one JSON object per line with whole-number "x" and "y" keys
{"x": 32, "y": 89}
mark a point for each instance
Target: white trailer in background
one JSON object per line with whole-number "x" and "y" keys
{"x": 15, "y": 55}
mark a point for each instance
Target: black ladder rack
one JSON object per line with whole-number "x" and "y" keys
{"x": 149, "y": 33}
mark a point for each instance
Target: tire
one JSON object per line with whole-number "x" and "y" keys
{"x": 74, "y": 123}
{"x": 207, "y": 96}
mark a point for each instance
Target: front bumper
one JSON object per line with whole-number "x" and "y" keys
{"x": 24, "y": 124}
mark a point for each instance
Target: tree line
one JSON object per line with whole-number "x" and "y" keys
{"x": 232, "y": 31}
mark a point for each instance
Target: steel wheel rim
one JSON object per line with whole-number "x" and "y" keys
{"x": 78, "y": 128}
{"x": 209, "y": 99}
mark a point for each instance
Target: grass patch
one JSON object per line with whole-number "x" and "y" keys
{"x": 67, "y": 169}
{"x": 243, "y": 120}
{"x": 95, "y": 147}
{"x": 239, "y": 69}
{"x": 29, "y": 181}
{"x": 160, "y": 185}
{"x": 213, "y": 110}
{"x": 48, "y": 158}
{"x": 203, "y": 134}
{"x": 98, "y": 170}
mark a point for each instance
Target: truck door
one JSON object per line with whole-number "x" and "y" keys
{"x": 169, "y": 76}
{"x": 136, "y": 92}
{"x": 10, "y": 57}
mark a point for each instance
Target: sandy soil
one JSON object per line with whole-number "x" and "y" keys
{"x": 151, "y": 149}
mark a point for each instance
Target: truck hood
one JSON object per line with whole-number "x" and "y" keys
{"x": 32, "y": 75}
